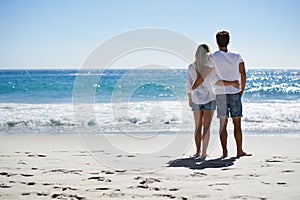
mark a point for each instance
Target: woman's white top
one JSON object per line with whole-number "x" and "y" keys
{"x": 205, "y": 92}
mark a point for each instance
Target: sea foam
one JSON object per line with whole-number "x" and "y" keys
{"x": 162, "y": 116}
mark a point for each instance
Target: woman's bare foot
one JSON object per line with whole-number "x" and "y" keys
{"x": 240, "y": 154}
{"x": 203, "y": 155}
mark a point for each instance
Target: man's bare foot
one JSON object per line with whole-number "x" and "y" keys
{"x": 203, "y": 155}
{"x": 225, "y": 154}
{"x": 196, "y": 154}
{"x": 243, "y": 154}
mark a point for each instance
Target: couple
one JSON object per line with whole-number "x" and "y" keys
{"x": 216, "y": 80}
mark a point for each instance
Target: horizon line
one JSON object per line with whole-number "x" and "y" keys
{"x": 154, "y": 68}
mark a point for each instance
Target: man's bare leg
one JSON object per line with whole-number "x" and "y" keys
{"x": 238, "y": 137}
{"x": 223, "y": 136}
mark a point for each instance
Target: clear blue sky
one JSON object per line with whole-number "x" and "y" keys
{"x": 62, "y": 33}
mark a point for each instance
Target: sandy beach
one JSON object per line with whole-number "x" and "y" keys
{"x": 62, "y": 167}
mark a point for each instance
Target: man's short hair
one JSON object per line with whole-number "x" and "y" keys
{"x": 222, "y": 38}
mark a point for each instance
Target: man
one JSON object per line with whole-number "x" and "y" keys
{"x": 229, "y": 67}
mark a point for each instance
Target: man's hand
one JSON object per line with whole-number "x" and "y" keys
{"x": 197, "y": 82}
{"x": 241, "y": 92}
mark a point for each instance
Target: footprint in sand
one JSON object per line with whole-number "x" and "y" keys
{"x": 218, "y": 184}
{"x": 4, "y": 156}
{"x": 99, "y": 178}
{"x": 47, "y": 184}
{"x": 198, "y": 174}
{"x": 42, "y": 194}
{"x": 247, "y": 197}
{"x": 146, "y": 180}
{"x": 7, "y": 174}
{"x": 236, "y": 175}
{"x": 64, "y": 196}
{"x": 273, "y": 160}
{"x": 26, "y": 175}
{"x": 28, "y": 183}
{"x": 266, "y": 165}
{"x": 281, "y": 183}
{"x": 67, "y": 188}
{"x": 81, "y": 155}
{"x": 144, "y": 183}
{"x": 120, "y": 170}
{"x": 4, "y": 186}
{"x": 21, "y": 162}
{"x": 107, "y": 172}
{"x": 143, "y": 186}
{"x": 255, "y": 175}
{"x": 276, "y": 159}
{"x": 102, "y": 188}
{"x": 288, "y": 171}
{"x": 164, "y": 156}
{"x": 165, "y": 195}
{"x": 98, "y": 151}
{"x": 3, "y": 173}
{"x": 54, "y": 196}
{"x": 37, "y": 193}
{"x": 66, "y": 171}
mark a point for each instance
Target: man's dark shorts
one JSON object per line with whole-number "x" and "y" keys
{"x": 229, "y": 103}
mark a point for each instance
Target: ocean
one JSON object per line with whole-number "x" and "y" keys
{"x": 122, "y": 101}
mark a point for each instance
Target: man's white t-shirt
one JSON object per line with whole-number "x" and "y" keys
{"x": 204, "y": 93}
{"x": 227, "y": 68}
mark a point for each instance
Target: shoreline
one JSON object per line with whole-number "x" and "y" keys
{"x": 146, "y": 133}
{"x": 60, "y": 166}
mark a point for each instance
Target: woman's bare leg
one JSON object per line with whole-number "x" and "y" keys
{"x": 198, "y": 115}
{"x": 207, "y": 118}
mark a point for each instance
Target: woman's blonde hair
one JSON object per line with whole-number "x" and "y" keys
{"x": 201, "y": 56}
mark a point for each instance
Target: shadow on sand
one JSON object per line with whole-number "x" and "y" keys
{"x": 202, "y": 163}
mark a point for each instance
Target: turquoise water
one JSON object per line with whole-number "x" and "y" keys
{"x": 56, "y": 86}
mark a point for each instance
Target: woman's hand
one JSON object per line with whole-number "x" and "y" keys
{"x": 190, "y": 99}
{"x": 236, "y": 84}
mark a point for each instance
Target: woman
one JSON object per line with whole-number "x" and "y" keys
{"x": 202, "y": 97}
